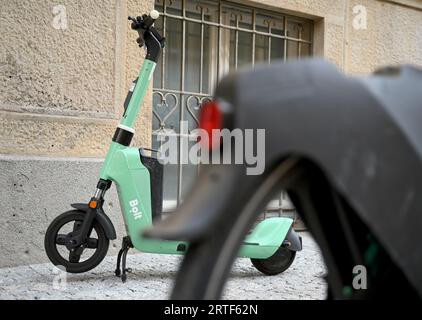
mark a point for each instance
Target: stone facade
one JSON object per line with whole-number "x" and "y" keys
{"x": 62, "y": 91}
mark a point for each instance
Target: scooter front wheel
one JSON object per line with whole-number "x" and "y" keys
{"x": 279, "y": 262}
{"x": 80, "y": 259}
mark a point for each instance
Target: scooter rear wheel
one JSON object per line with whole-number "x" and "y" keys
{"x": 279, "y": 262}
{"x": 55, "y": 239}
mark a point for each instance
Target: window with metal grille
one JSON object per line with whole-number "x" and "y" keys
{"x": 204, "y": 41}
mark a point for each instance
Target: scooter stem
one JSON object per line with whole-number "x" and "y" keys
{"x": 125, "y": 130}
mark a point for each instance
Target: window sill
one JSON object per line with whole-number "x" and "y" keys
{"x": 412, "y": 4}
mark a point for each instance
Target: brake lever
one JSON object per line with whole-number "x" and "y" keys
{"x": 136, "y": 22}
{"x": 136, "y": 25}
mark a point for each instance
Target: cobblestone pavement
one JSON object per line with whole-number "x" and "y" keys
{"x": 152, "y": 279}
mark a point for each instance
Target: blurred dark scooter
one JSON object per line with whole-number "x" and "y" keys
{"x": 348, "y": 150}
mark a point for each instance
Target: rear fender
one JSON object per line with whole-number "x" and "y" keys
{"x": 270, "y": 232}
{"x": 293, "y": 241}
{"x": 266, "y": 238}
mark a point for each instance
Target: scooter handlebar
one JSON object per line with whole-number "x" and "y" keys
{"x": 148, "y": 34}
{"x": 145, "y": 21}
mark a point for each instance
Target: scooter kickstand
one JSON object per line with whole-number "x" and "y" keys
{"x": 128, "y": 270}
{"x": 118, "y": 272}
{"x": 121, "y": 258}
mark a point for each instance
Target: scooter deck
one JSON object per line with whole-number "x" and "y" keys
{"x": 261, "y": 243}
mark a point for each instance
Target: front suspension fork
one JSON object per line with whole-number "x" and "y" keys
{"x": 95, "y": 203}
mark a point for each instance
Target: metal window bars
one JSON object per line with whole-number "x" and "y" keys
{"x": 206, "y": 40}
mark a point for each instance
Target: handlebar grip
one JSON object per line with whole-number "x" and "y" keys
{"x": 154, "y": 14}
{"x": 150, "y": 19}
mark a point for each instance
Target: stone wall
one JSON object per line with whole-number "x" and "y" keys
{"x": 62, "y": 91}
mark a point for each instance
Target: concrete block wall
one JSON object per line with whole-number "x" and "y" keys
{"x": 35, "y": 190}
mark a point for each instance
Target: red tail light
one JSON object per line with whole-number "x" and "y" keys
{"x": 211, "y": 118}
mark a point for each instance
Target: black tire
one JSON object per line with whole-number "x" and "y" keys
{"x": 57, "y": 259}
{"x": 207, "y": 262}
{"x": 279, "y": 262}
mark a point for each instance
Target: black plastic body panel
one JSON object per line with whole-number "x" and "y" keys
{"x": 155, "y": 169}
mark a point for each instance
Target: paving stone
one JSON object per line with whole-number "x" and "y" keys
{"x": 153, "y": 275}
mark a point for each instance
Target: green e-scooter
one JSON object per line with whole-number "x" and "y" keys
{"x": 78, "y": 240}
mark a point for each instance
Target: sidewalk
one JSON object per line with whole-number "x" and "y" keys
{"x": 152, "y": 279}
